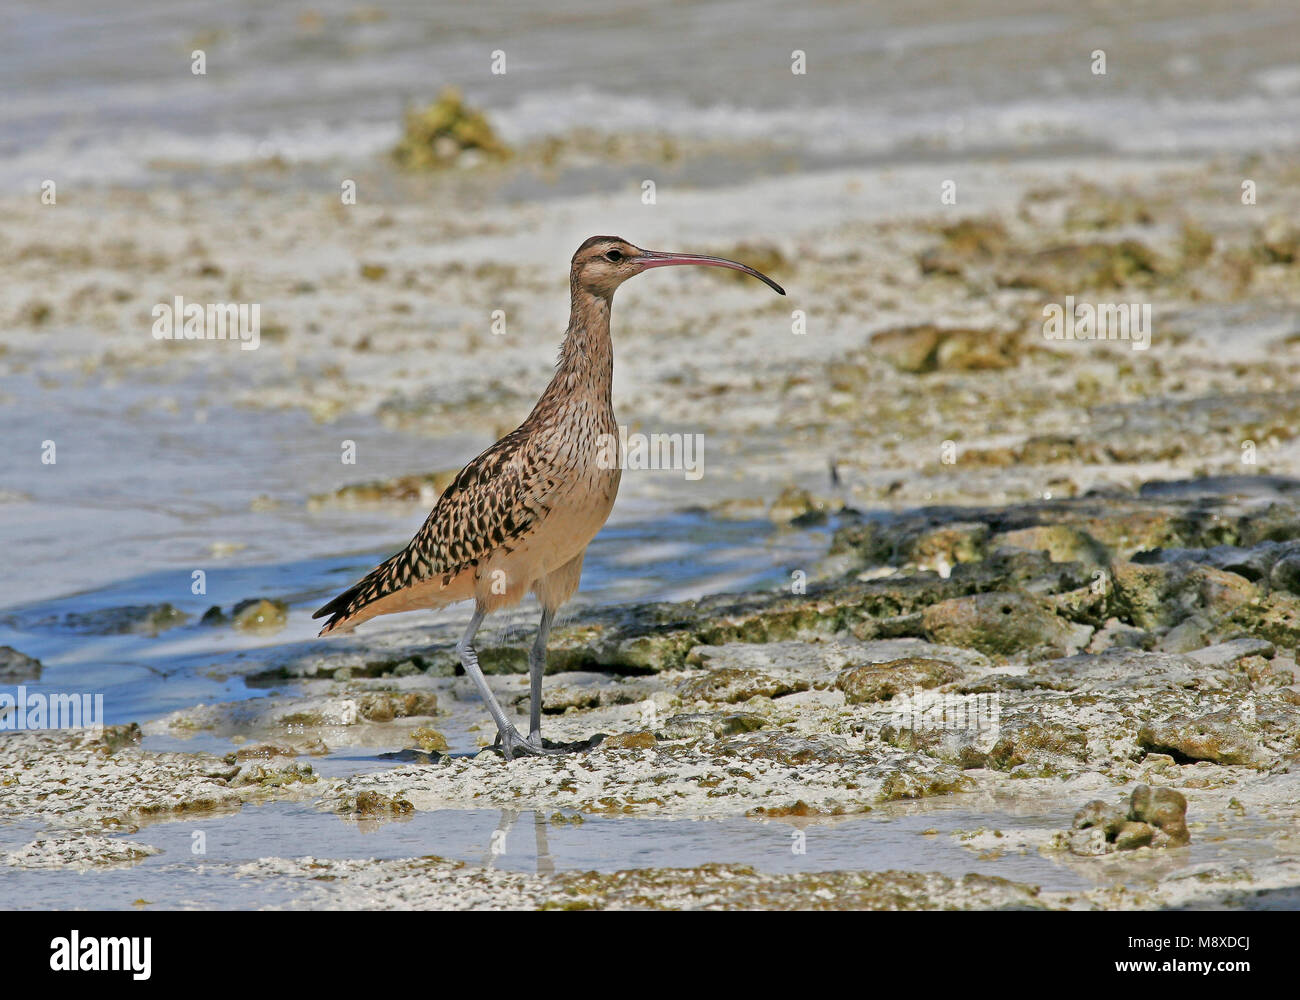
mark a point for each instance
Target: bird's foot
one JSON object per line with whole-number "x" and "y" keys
{"x": 510, "y": 742}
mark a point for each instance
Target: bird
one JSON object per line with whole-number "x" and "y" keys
{"x": 519, "y": 517}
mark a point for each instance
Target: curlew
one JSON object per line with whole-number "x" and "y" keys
{"x": 519, "y": 517}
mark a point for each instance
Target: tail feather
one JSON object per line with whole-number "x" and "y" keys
{"x": 378, "y": 583}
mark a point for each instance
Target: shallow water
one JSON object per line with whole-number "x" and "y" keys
{"x": 152, "y": 478}
{"x": 883, "y": 81}
{"x": 674, "y": 557}
{"x": 522, "y": 842}
{"x": 903, "y": 838}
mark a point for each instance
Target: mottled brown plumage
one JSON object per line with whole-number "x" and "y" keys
{"x": 519, "y": 517}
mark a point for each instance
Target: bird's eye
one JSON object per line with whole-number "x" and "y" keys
{"x": 613, "y": 256}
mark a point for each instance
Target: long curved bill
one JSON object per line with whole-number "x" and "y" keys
{"x": 654, "y": 258}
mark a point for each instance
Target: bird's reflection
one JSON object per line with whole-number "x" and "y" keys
{"x": 498, "y": 845}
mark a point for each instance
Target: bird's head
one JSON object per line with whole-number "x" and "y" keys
{"x": 603, "y": 263}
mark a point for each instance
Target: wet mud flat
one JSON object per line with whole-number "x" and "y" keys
{"x": 1043, "y": 656}
{"x": 1112, "y": 722}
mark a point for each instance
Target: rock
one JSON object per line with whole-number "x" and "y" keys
{"x": 1275, "y": 618}
{"x": 384, "y": 706}
{"x": 966, "y": 243}
{"x": 16, "y": 666}
{"x": 429, "y": 740}
{"x": 260, "y": 614}
{"x": 125, "y": 735}
{"x": 141, "y": 619}
{"x": 263, "y": 751}
{"x": 730, "y": 685}
{"x": 1191, "y": 634}
{"x": 643, "y": 740}
{"x": 1155, "y": 817}
{"x": 1285, "y": 574}
{"x": 1163, "y": 808}
{"x": 78, "y": 851}
{"x": 944, "y": 547}
{"x": 1097, "y": 814}
{"x": 274, "y": 777}
{"x": 213, "y": 616}
{"x": 1278, "y": 241}
{"x": 797, "y": 505}
{"x": 438, "y": 134}
{"x": 966, "y": 747}
{"x": 882, "y": 681}
{"x": 911, "y": 349}
{"x": 1120, "y": 667}
{"x": 1134, "y": 835}
{"x": 1151, "y": 596}
{"x": 1074, "y": 267}
{"x": 927, "y": 348}
{"x": 1217, "y": 737}
{"x": 1231, "y": 653}
{"x": 1252, "y": 563}
{"x": 1090, "y": 842}
{"x": 715, "y": 724}
{"x": 372, "y": 803}
{"x": 1037, "y": 742}
{"x": 1116, "y": 635}
{"x": 416, "y": 488}
{"x": 1061, "y": 542}
{"x": 1000, "y": 624}
{"x": 788, "y": 749}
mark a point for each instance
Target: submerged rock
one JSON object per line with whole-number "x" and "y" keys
{"x": 384, "y": 706}
{"x": 16, "y": 666}
{"x": 260, "y": 614}
{"x": 429, "y": 740}
{"x": 1155, "y": 817}
{"x": 1165, "y": 809}
{"x": 373, "y": 804}
{"x": 79, "y": 851}
{"x": 142, "y": 619}
{"x": 423, "y": 488}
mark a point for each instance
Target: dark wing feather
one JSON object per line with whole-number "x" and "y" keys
{"x": 495, "y": 500}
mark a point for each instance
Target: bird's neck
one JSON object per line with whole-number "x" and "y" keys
{"x": 586, "y": 368}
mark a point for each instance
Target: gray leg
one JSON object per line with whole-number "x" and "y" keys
{"x": 536, "y": 668}
{"x": 510, "y": 738}
{"x": 545, "y": 863}
{"x": 508, "y": 818}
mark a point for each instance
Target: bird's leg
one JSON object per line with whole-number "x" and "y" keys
{"x": 536, "y": 669}
{"x": 511, "y": 741}
{"x": 545, "y": 863}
